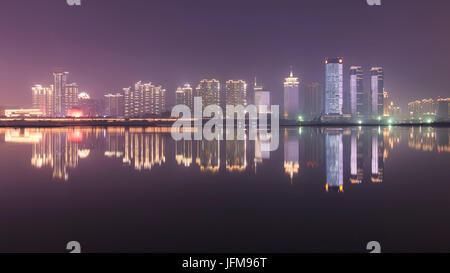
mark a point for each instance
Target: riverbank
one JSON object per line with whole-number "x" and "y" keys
{"x": 168, "y": 122}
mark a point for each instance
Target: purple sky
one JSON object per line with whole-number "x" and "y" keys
{"x": 109, "y": 44}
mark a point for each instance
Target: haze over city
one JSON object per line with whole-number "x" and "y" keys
{"x": 109, "y": 45}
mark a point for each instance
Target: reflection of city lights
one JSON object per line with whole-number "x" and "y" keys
{"x": 84, "y": 153}
{"x": 76, "y": 136}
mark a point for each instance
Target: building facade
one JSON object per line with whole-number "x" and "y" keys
{"x": 59, "y": 83}
{"x": 377, "y": 84}
{"x": 236, "y": 92}
{"x": 70, "y": 97}
{"x": 262, "y": 98}
{"x": 184, "y": 96}
{"x": 42, "y": 98}
{"x": 358, "y": 99}
{"x": 209, "y": 91}
{"x": 334, "y": 86}
{"x": 145, "y": 99}
{"x": 313, "y": 101}
{"x": 114, "y": 105}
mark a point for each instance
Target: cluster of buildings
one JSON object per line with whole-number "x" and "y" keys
{"x": 58, "y": 100}
{"x": 301, "y": 101}
{"x": 429, "y": 109}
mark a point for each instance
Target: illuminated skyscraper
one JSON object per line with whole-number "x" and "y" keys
{"x": 291, "y": 97}
{"x": 236, "y": 92}
{"x": 114, "y": 105}
{"x": 359, "y": 101}
{"x": 377, "y": 84}
{"x": 386, "y": 111}
{"x": 70, "y": 97}
{"x": 262, "y": 98}
{"x": 334, "y": 86}
{"x": 145, "y": 99}
{"x": 209, "y": 91}
{"x": 443, "y": 108}
{"x": 42, "y": 99}
{"x": 60, "y": 81}
{"x": 184, "y": 96}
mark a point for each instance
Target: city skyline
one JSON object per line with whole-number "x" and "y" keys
{"x": 171, "y": 66}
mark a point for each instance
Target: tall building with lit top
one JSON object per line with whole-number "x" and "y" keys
{"x": 209, "y": 91}
{"x": 114, "y": 105}
{"x": 334, "y": 86}
{"x": 42, "y": 99}
{"x": 358, "y": 99}
{"x": 184, "y": 96}
{"x": 236, "y": 92}
{"x": 59, "y": 83}
{"x": 145, "y": 99}
{"x": 377, "y": 88}
{"x": 70, "y": 97}
{"x": 291, "y": 97}
{"x": 262, "y": 98}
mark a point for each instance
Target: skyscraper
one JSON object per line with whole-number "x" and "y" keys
{"x": 334, "y": 86}
{"x": 184, "y": 96}
{"x": 209, "y": 91}
{"x": 145, "y": 99}
{"x": 358, "y": 99}
{"x": 236, "y": 92}
{"x": 262, "y": 98}
{"x": 114, "y": 105}
{"x": 70, "y": 97}
{"x": 60, "y": 80}
{"x": 313, "y": 101}
{"x": 291, "y": 97}
{"x": 377, "y": 83}
{"x": 42, "y": 99}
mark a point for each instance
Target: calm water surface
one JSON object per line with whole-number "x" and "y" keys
{"x": 137, "y": 190}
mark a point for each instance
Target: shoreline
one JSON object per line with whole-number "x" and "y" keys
{"x": 54, "y": 123}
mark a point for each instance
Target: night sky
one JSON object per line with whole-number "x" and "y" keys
{"x": 109, "y": 44}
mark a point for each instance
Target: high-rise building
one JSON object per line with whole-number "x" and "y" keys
{"x": 414, "y": 109}
{"x": 209, "y": 91}
{"x": 443, "y": 108}
{"x": 145, "y": 99}
{"x": 291, "y": 97}
{"x": 70, "y": 97}
{"x": 377, "y": 84}
{"x": 428, "y": 107}
{"x": 114, "y": 105}
{"x": 358, "y": 98}
{"x": 42, "y": 99}
{"x": 184, "y": 96}
{"x": 386, "y": 104}
{"x": 236, "y": 92}
{"x": 313, "y": 102}
{"x": 59, "y": 83}
{"x": 334, "y": 86}
{"x": 262, "y": 98}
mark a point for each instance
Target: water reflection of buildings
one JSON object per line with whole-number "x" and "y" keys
{"x": 208, "y": 155}
{"x": 57, "y": 148}
{"x": 262, "y": 149}
{"x": 377, "y": 157}
{"x": 183, "y": 152}
{"x": 334, "y": 158}
{"x": 291, "y": 152}
{"x": 428, "y": 139}
{"x": 236, "y": 155}
{"x": 142, "y": 148}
